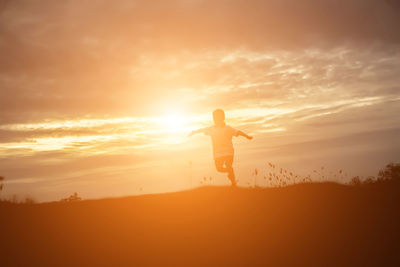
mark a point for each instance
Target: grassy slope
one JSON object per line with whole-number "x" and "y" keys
{"x": 302, "y": 224}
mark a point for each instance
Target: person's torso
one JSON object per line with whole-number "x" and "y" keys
{"x": 222, "y": 141}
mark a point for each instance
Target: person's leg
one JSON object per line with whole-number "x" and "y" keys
{"x": 229, "y": 168}
{"x": 219, "y": 164}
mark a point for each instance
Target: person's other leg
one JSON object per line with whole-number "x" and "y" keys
{"x": 224, "y": 164}
{"x": 229, "y": 168}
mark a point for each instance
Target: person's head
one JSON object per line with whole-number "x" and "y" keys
{"x": 219, "y": 117}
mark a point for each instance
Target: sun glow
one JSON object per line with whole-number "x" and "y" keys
{"x": 172, "y": 128}
{"x": 174, "y": 122}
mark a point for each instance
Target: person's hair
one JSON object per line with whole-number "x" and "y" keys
{"x": 219, "y": 117}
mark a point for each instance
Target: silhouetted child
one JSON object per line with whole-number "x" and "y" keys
{"x": 221, "y": 136}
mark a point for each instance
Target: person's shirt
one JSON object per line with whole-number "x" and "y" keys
{"x": 221, "y": 139}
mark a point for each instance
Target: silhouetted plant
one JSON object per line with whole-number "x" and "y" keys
{"x": 356, "y": 181}
{"x": 279, "y": 177}
{"x": 369, "y": 180}
{"x": 16, "y": 200}
{"x": 255, "y": 174}
{"x": 390, "y": 172}
{"x": 73, "y": 197}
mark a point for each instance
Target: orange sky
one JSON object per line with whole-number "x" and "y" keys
{"x": 98, "y": 97}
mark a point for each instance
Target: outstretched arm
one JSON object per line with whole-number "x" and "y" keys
{"x": 197, "y": 131}
{"x": 240, "y": 133}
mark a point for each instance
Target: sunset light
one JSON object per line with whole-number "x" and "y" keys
{"x": 112, "y": 99}
{"x": 200, "y": 133}
{"x": 175, "y": 122}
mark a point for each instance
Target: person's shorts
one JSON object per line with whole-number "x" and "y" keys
{"x": 224, "y": 160}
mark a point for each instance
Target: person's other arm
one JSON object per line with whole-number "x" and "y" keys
{"x": 240, "y": 133}
{"x": 202, "y": 130}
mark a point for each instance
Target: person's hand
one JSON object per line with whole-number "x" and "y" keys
{"x": 249, "y": 137}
